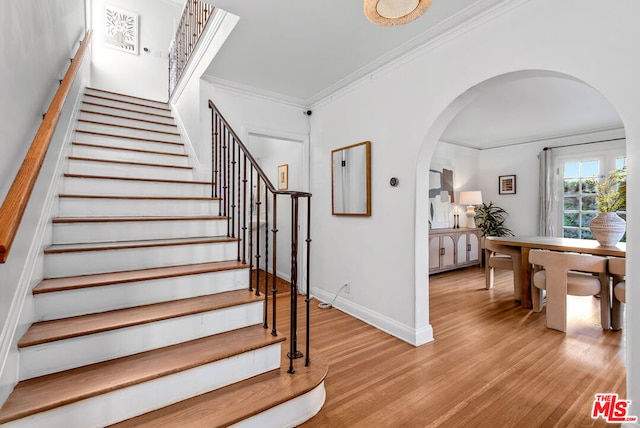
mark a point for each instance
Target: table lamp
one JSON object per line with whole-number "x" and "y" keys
{"x": 471, "y": 199}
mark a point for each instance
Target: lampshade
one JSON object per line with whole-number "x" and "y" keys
{"x": 394, "y": 12}
{"x": 473, "y": 197}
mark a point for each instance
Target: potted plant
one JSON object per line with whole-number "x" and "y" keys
{"x": 490, "y": 219}
{"x": 611, "y": 196}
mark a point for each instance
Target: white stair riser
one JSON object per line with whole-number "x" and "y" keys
{"x": 125, "y": 105}
{"x": 128, "y": 155}
{"x": 290, "y": 413}
{"x": 66, "y": 354}
{"x": 121, "y": 97}
{"x": 64, "y": 304}
{"x": 129, "y": 143}
{"x": 82, "y": 207}
{"x": 122, "y": 120}
{"x": 74, "y": 233}
{"x": 99, "y": 186}
{"x": 88, "y": 262}
{"x": 126, "y": 132}
{"x": 98, "y": 107}
{"x": 135, "y": 400}
{"x": 82, "y": 167}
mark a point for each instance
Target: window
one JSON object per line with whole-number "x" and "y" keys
{"x": 578, "y": 198}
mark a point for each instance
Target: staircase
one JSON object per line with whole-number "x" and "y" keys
{"x": 145, "y": 312}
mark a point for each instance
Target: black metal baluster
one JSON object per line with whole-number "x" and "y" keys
{"x": 258, "y": 249}
{"x": 266, "y": 259}
{"x": 307, "y": 361}
{"x": 240, "y": 205}
{"x": 225, "y": 167}
{"x": 274, "y": 289}
{"x": 232, "y": 179}
{"x": 244, "y": 212}
{"x": 251, "y": 226}
{"x": 214, "y": 138}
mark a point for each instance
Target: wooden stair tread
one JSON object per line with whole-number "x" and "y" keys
{"x": 155, "y": 165}
{"x": 121, "y": 245}
{"x": 117, "y": 116}
{"x": 128, "y": 102}
{"x": 61, "y": 220}
{"x": 126, "y": 95}
{"x": 153, "y": 180}
{"x": 160, "y": 198}
{"x": 128, "y": 149}
{"x": 95, "y": 104}
{"x": 75, "y": 282}
{"x": 233, "y": 403}
{"x": 65, "y": 328}
{"x": 54, "y": 390}
{"x": 128, "y": 137}
{"x": 95, "y": 122}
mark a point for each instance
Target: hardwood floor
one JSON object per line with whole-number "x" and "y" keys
{"x": 492, "y": 363}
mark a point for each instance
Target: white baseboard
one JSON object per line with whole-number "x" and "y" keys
{"x": 403, "y": 332}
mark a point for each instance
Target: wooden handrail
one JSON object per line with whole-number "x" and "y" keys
{"x": 15, "y": 202}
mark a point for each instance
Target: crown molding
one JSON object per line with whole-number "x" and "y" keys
{"x": 250, "y": 91}
{"x": 550, "y": 139}
{"x": 456, "y": 25}
{"x": 477, "y": 14}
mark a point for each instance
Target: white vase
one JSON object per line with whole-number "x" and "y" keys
{"x": 607, "y": 228}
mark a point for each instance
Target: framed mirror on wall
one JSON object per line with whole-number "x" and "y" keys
{"x": 351, "y": 180}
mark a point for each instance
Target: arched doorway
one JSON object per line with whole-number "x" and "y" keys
{"x": 528, "y": 187}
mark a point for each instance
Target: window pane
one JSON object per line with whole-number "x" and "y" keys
{"x": 572, "y": 219}
{"x": 571, "y": 170}
{"x": 586, "y": 218}
{"x": 571, "y": 186}
{"x": 588, "y": 186}
{"x": 621, "y": 162}
{"x": 571, "y": 233}
{"x": 589, "y": 203}
{"x": 590, "y": 169}
{"x": 586, "y": 234}
{"x": 571, "y": 203}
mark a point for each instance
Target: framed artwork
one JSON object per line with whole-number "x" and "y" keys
{"x": 283, "y": 177}
{"x": 507, "y": 184}
{"x": 121, "y": 29}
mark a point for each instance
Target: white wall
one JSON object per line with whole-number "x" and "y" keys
{"x": 38, "y": 38}
{"x": 24, "y": 266}
{"x": 145, "y": 75}
{"x": 522, "y": 160}
{"x": 464, "y": 162}
{"x": 404, "y": 109}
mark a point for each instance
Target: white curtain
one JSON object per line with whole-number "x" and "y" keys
{"x": 548, "y": 217}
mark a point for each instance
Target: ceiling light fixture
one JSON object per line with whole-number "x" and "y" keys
{"x": 394, "y": 12}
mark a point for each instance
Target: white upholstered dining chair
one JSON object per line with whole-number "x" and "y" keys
{"x": 569, "y": 274}
{"x": 499, "y": 256}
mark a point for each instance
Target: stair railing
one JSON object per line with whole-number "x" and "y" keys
{"x": 247, "y": 197}
{"x": 195, "y": 16}
{"x": 15, "y": 203}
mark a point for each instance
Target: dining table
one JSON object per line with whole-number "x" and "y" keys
{"x": 552, "y": 243}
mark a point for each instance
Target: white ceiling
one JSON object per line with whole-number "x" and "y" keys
{"x": 303, "y": 51}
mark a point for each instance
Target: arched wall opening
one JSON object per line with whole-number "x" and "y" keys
{"x": 426, "y": 153}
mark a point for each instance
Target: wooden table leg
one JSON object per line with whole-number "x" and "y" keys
{"x": 525, "y": 278}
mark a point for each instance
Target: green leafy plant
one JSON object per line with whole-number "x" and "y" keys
{"x": 611, "y": 193}
{"x": 490, "y": 219}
